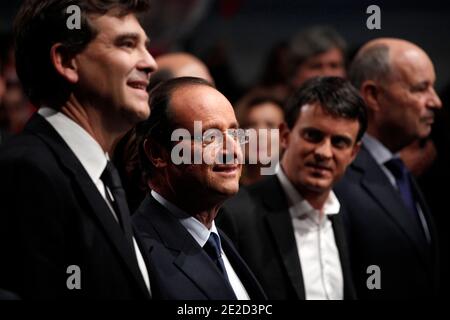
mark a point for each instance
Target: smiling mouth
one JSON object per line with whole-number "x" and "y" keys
{"x": 140, "y": 85}
{"x": 429, "y": 120}
{"x": 225, "y": 169}
{"x": 319, "y": 168}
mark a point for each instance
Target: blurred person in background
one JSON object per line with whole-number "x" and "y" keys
{"x": 312, "y": 52}
{"x": 16, "y": 108}
{"x": 316, "y": 51}
{"x": 259, "y": 111}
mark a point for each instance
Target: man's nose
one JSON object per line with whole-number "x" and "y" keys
{"x": 434, "y": 101}
{"x": 231, "y": 149}
{"x": 324, "y": 150}
{"x": 147, "y": 62}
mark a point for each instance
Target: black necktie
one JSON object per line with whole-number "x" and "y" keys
{"x": 212, "y": 248}
{"x": 111, "y": 179}
{"x": 405, "y": 188}
{"x": 402, "y": 178}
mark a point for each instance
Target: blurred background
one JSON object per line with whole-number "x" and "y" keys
{"x": 236, "y": 36}
{"x": 243, "y": 42}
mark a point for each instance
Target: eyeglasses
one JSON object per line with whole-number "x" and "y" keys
{"x": 216, "y": 137}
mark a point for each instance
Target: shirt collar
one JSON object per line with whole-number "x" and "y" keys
{"x": 195, "y": 228}
{"x": 302, "y": 206}
{"x": 83, "y": 145}
{"x": 380, "y": 153}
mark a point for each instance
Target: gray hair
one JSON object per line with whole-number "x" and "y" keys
{"x": 313, "y": 41}
{"x": 370, "y": 64}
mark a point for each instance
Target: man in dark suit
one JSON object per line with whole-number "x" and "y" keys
{"x": 391, "y": 234}
{"x": 288, "y": 227}
{"x": 65, "y": 230}
{"x": 190, "y": 257}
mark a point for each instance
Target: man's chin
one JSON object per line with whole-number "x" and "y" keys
{"x": 319, "y": 186}
{"x": 137, "y": 112}
{"x": 228, "y": 191}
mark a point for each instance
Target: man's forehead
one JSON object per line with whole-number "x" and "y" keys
{"x": 201, "y": 103}
{"x": 193, "y": 99}
{"x": 112, "y": 25}
{"x": 413, "y": 66}
{"x": 311, "y": 109}
{"x": 315, "y": 113}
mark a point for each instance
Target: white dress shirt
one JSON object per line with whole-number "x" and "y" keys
{"x": 381, "y": 154}
{"x": 201, "y": 235}
{"x": 316, "y": 244}
{"x": 92, "y": 158}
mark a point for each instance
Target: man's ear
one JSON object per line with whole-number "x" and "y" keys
{"x": 284, "y": 135}
{"x": 355, "y": 150}
{"x": 64, "y": 63}
{"x": 370, "y": 92}
{"x": 155, "y": 153}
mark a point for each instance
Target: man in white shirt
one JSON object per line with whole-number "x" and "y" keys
{"x": 289, "y": 226}
{"x": 190, "y": 257}
{"x": 65, "y": 225}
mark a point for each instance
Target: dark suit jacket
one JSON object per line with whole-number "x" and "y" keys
{"x": 4, "y": 135}
{"x": 258, "y": 221}
{"x": 51, "y": 217}
{"x": 181, "y": 268}
{"x": 381, "y": 232}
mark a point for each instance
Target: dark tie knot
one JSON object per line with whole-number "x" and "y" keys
{"x": 110, "y": 176}
{"x": 212, "y": 246}
{"x": 397, "y": 167}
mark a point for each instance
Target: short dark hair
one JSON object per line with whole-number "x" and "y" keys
{"x": 335, "y": 95}
{"x": 160, "y": 123}
{"x": 42, "y": 23}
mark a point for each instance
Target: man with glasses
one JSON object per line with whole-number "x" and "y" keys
{"x": 191, "y": 258}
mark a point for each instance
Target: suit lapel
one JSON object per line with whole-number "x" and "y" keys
{"x": 425, "y": 210}
{"x": 99, "y": 208}
{"x": 341, "y": 243}
{"x": 379, "y": 187}
{"x": 433, "y": 250}
{"x": 189, "y": 257}
{"x": 280, "y": 225}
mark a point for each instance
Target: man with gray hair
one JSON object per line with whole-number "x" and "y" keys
{"x": 391, "y": 234}
{"x": 316, "y": 51}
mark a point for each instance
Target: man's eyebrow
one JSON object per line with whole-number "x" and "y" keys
{"x": 216, "y": 125}
{"x": 310, "y": 129}
{"x": 343, "y": 137}
{"x": 130, "y": 35}
{"x": 234, "y": 125}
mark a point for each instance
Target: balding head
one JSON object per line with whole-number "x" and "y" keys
{"x": 377, "y": 59}
{"x": 396, "y": 79}
{"x": 182, "y": 64}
